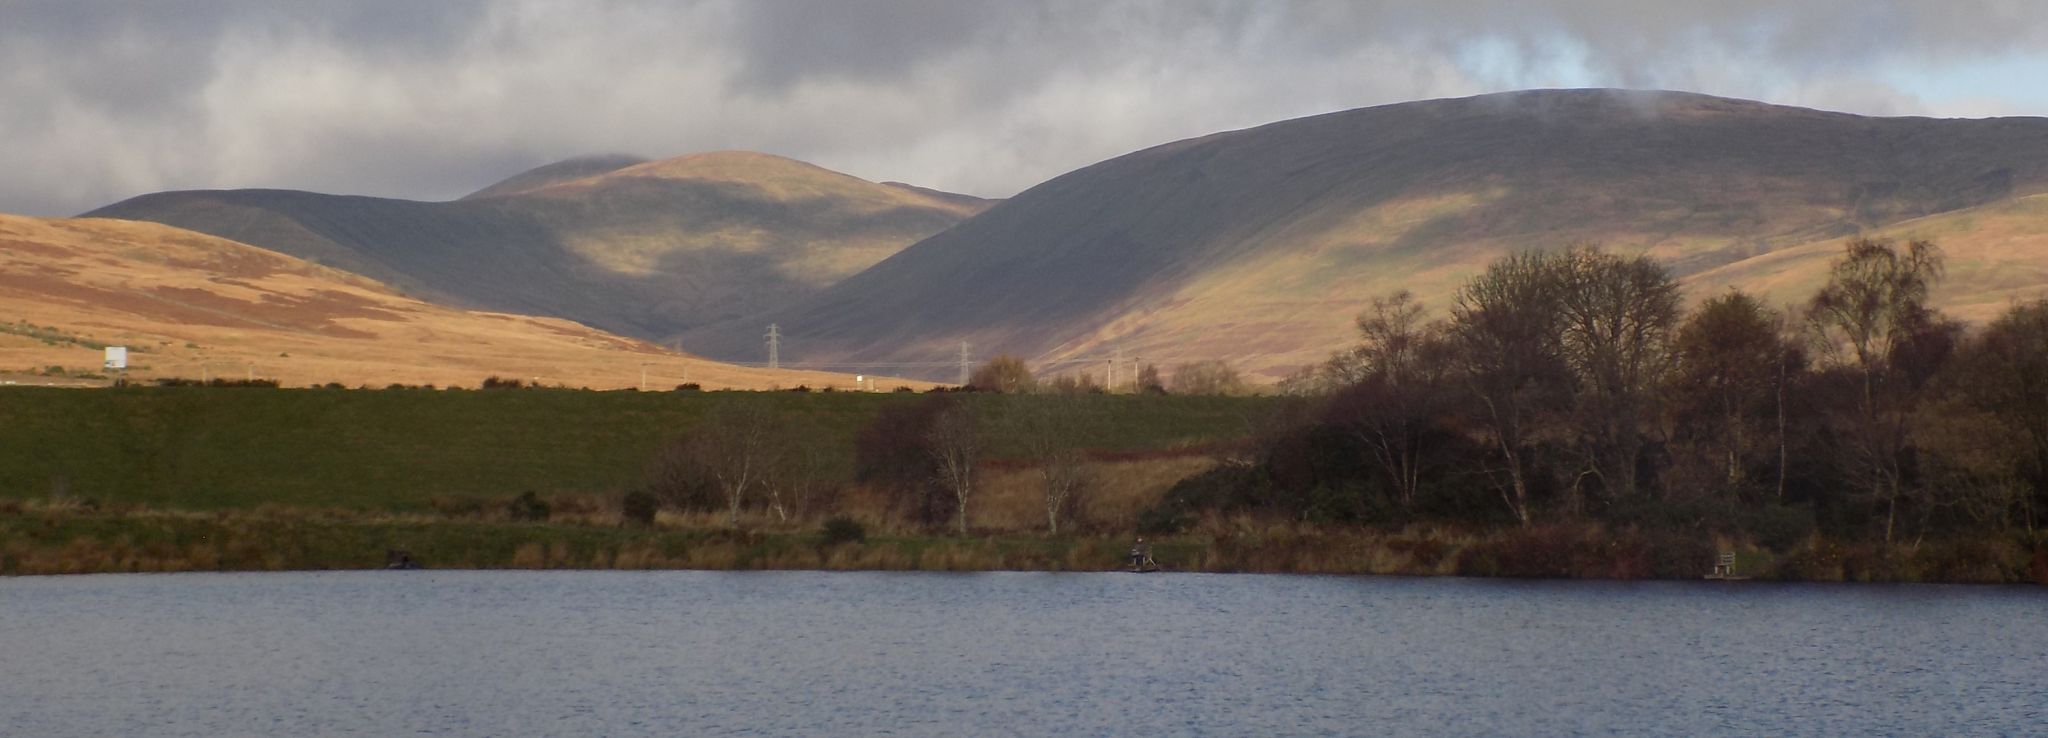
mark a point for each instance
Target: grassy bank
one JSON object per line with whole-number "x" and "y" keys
{"x": 208, "y": 448}
{"x": 37, "y": 539}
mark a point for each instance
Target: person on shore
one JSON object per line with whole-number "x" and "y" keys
{"x": 1141, "y": 554}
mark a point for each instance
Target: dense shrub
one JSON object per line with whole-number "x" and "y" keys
{"x": 1225, "y": 488}
{"x": 1971, "y": 561}
{"x": 893, "y": 452}
{"x": 1680, "y": 556}
{"x": 639, "y": 506}
{"x": 528, "y": 507}
{"x": 841, "y": 529}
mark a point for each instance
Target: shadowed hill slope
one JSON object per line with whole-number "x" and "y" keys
{"x": 1259, "y": 246}
{"x": 191, "y": 305}
{"x": 646, "y": 248}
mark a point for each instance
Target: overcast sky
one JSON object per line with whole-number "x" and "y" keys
{"x": 101, "y": 101}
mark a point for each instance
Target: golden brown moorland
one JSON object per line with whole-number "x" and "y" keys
{"x": 195, "y": 306}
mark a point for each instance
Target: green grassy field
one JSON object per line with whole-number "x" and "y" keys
{"x": 203, "y": 448}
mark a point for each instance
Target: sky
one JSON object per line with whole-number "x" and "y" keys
{"x": 103, "y": 100}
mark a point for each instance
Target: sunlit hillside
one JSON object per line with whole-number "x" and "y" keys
{"x": 1259, "y": 246}
{"x": 194, "y": 306}
{"x": 638, "y": 248}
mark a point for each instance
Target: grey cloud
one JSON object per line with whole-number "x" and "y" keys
{"x": 101, "y": 101}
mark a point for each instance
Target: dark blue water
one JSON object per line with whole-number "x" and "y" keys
{"x": 695, "y": 653}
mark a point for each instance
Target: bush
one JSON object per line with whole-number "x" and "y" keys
{"x": 689, "y": 387}
{"x": 1681, "y": 556}
{"x": 1781, "y": 528}
{"x": 1225, "y": 488}
{"x": 841, "y": 529}
{"x": 528, "y": 507}
{"x": 1164, "y": 520}
{"x": 1005, "y": 374}
{"x": 639, "y": 506}
{"x": 1979, "y": 561}
{"x": 496, "y": 382}
{"x": 1819, "y": 562}
{"x": 1545, "y": 553}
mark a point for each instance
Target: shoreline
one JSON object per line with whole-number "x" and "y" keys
{"x": 38, "y": 543}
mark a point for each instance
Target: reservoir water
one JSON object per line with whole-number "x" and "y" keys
{"x": 802, "y": 653}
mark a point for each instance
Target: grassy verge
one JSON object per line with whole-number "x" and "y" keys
{"x": 397, "y": 451}
{"x": 43, "y": 540}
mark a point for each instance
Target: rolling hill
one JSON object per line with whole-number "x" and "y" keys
{"x": 643, "y": 248}
{"x": 1258, "y": 246}
{"x": 192, "y": 305}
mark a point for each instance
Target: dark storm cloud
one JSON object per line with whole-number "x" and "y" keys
{"x": 102, "y": 100}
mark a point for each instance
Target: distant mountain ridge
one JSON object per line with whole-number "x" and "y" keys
{"x": 1258, "y": 246}
{"x": 643, "y": 248}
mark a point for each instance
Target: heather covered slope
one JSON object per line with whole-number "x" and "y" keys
{"x": 191, "y": 305}
{"x": 1258, "y": 246}
{"x": 641, "y": 248}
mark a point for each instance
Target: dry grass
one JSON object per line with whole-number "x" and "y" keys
{"x": 190, "y": 305}
{"x": 1997, "y": 255}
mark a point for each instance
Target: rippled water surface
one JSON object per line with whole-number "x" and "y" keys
{"x": 698, "y": 653}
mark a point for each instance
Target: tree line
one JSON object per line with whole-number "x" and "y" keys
{"x": 1568, "y": 385}
{"x": 1574, "y": 385}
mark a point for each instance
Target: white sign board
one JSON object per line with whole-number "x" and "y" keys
{"x": 117, "y": 357}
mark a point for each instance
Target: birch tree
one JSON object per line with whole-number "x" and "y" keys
{"x": 1504, "y": 325}
{"x": 1047, "y": 425}
{"x": 955, "y": 447}
{"x": 1868, "y": 317}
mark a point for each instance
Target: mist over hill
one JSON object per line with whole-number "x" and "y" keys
{"x": 1258, "y": 246}
{"x": 562, "y": 171}
{"x": 645, "y": 248}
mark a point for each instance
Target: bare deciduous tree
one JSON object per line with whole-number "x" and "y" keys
{"x": 2003, "y": 373}
{"x": 1148, "y": 381}
{"x": 1617, "y": 315}
{"x": 955, "y": 447}
{"x": 1868, "y": 317}
{"x": 1392, "y": 406}
{"x": 1504, "y": 325}
{"x": 1730, "y": 360}
{"x": 735, "y": 447}
{"x": 1006, "y": 374}
{"x": 1207, "y": 378}
{"x": 1047, "y": 426}
{"x": 801, "y": 456}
